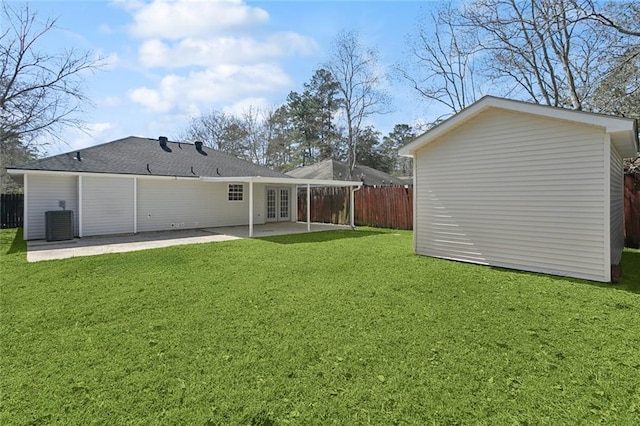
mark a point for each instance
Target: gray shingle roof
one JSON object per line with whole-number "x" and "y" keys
{"x": 336, "y": 170}
{"x": 142, "y": 156}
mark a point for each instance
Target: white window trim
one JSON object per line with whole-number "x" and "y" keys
{"x": 235, "y": 192}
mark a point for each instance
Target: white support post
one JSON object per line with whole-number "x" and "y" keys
{"x": 250, "y": 209}
{"x": 308, "y": 208}
{"x": 135, "y": 205}
{"x": 25, "y": 211}
{"x": 351, "y": 212}
{"x": 80, "y": 206}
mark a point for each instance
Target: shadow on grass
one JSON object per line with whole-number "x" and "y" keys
{"x": 318, "y": 237}
{"x": 630, "y": 274}
{"x": 18, "y": 245}
{"x": 630, "y": 271}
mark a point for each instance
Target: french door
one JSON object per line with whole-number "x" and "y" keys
{"x": 278, "y": 204}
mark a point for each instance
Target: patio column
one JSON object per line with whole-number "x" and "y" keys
{"x": 135, "y": 205}
{"x": 25, "y": 211}
{"x": 80, "y": 224}
{"x": 351, "y": 212}
{"x": 308, "y": 208}
{"x": 250, "y": 209}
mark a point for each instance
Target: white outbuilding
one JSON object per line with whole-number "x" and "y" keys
{"x": 523, "y": 186}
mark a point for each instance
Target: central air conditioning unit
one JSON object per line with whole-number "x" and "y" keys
{"x": 59, "y": 225}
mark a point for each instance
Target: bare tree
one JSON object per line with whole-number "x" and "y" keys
{"x": 623, "y": 16}
{"x": 12, "y": 152}
{"x": 357, "y": 69}
{"x": 541, "y": 47}
{"x": 40, "y": 91}
{"x": 256, "y": 125}
{"x": 219, "y": 131}
{"x": 443, "y": 58}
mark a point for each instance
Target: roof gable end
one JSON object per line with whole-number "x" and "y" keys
{"x": 623, "y": 131}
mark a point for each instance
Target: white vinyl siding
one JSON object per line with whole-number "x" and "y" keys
{"x": 617, "y": 206}
{"x": 177, "y": 204}
{"x": 44, "y": 193}
{"x": 514, "y": 190}
{"x": 107, "y": 205}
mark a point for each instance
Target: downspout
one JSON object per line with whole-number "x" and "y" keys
{"x": 352, "y": 213}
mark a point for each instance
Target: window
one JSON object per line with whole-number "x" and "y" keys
{"x": 235, "y": 191}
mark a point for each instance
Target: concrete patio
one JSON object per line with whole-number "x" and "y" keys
{"x": 39, "y": 250}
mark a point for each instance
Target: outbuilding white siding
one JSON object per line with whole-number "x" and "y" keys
{"x": 107, "y": 205}
{"x": 515, "y": 190}
{"x": 616, "y": 206}
{"x": 43, "y": 193}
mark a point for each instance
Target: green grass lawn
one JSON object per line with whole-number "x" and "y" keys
{"x": 324, "y": 328}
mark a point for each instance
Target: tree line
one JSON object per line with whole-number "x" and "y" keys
{"x": 309, "y": 127}
{"x": 577, "y": 54}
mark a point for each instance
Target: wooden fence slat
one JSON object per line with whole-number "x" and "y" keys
{"x": 11, "y": 210}
{"x": 632, "y": 210}
{"x": 384, "y": 207}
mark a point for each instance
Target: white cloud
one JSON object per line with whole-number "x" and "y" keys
{"x": 243, "y": 105}
{"x": 223, "y": 50}
{"x": 109, "y": 101}
{"x": 108, "y": 61}
{"x": 225, "y": 83}
{"x": 219, "y": 53}
{"x": 76, "y": 139}
{"x": 175, "y": 19}
{"x": 149, "y": 98}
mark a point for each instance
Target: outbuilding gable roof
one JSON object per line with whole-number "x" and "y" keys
{"x": 143, "y": 156}
{"x": 336, "y": 170}
{"x": 623, "y": 131}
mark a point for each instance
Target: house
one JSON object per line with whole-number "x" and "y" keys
{"x": 523, "y": 186}
{"x": 336, "y": 170}
{"x": 137, "y": 184}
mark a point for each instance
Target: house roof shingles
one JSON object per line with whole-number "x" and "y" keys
{"x": 143, "y": 156}
{"x": 336, "y": 170}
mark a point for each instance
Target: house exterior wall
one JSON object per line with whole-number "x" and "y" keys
{"x": 175, "y": 204}
{"x": 43, "y": 192}
{"x": 515, "y": 190}
{"x": 107, "y": 205}
{"x": 616, "y": 206}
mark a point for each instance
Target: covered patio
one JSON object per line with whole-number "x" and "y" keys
{"x": 40, "y": 250}
{"x": 304, "y": 183}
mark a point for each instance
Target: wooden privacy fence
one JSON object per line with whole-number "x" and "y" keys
{"x": 11, "y": 210}
{"x": 383, "y": 207}
{"x": 632, "y": 210}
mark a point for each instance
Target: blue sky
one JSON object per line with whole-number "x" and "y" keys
{"x": 172, "y": 60}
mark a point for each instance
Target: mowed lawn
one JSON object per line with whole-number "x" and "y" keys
{"x": 325, "y": 328}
